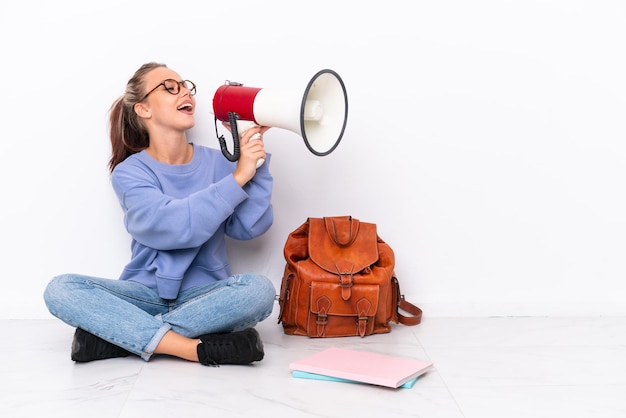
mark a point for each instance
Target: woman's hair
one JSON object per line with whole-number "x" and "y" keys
{"x": 128, "y": 133}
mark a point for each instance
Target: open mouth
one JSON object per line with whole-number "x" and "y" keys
{"x": 186, "y": 108}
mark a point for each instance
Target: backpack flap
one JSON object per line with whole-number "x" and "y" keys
{"x": 342, "y": 245}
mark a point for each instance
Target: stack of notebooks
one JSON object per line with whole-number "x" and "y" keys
{"x": 345, "y": 365}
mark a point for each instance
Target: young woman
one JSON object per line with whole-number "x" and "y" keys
{"x": 177, "y": 295}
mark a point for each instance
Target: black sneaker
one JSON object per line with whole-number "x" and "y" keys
{"x": 241, "y": 347}
{"x": 87, "y": 347}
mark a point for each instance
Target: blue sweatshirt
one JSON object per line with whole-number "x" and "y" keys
{"x": 178, "y": 217}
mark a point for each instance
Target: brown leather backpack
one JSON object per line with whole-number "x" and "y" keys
{"x": 339, "y": 281}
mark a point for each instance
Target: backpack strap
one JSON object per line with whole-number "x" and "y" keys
{"x": 405, "y": 305}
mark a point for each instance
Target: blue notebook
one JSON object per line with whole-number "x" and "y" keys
{"x": 306, "y": 375}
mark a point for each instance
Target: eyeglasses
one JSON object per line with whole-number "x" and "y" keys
{"x": 173, "y": 87}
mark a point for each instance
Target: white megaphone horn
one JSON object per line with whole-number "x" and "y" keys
{"x": 318, "y": 114}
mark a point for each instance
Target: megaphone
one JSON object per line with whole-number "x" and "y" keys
{"x": 318, "y": 114}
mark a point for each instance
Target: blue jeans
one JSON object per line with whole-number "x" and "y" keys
{"x": 134, "y": 317}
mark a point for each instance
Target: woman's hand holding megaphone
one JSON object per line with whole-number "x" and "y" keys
{"x": 244, "y": 126}
{"x": 252, "y": 152}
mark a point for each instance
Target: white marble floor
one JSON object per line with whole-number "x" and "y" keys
{"x": 484, "y": 367}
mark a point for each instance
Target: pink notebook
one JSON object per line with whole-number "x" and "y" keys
{"x": 362, "y": 366}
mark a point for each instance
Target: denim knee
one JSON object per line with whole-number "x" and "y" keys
{"x": 264, "y": 295}
{"x": 267, "y": 292}
{"x": 260, "y": 286}
{"x": 56, "y": 291}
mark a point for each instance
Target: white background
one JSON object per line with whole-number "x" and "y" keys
{"x": 486, "y": 139}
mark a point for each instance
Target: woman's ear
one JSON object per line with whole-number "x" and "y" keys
{"x": 142, "y": 110}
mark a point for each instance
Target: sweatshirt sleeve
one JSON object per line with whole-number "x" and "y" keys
{"x": 163, "y": 222}
{"x": 254, "y": 215}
